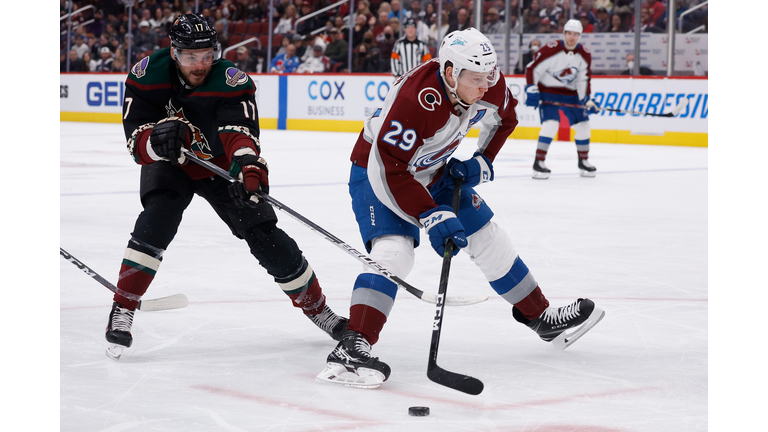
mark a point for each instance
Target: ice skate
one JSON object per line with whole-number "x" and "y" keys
{"x": 119, "y": 331}
{"x": 540, "y": 170}
{"x": 350, "y": 364}
{"x": 330, "y": 323}
{"x": 586, "y": 169}
{"x": 563, "y": 326}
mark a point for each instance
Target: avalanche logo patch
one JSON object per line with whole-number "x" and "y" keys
{"x": 458, "y": 41}
{"x": 429, "y": 98}
{"x": 431, "y": 159}
{"x": 235, "y": 77}
{"x": 476, "y": 201}
{"x": 567, "y": 75}
{"x": 140, "y": 68}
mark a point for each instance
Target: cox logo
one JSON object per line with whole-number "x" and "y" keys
{"x": 324, "y": 90}
{"x": 372, "y": 90}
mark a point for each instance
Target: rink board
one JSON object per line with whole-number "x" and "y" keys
{"x": 341, "y": 102}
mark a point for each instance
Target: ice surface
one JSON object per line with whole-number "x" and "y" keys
{"x": 241, "y": 358}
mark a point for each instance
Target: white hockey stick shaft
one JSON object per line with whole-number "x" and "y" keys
{"x": 675, "y": 111}
{"x": 365, "y": 259}
{"x": 175, "y": 301}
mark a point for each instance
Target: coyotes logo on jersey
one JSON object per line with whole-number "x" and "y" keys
{"x": 199, "y": 144}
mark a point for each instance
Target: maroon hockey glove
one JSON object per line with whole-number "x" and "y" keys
{"x": 252, "y": 178}
{"x": 168, "y": 136}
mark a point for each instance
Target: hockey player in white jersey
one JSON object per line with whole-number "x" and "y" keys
{"x": 560, "y": 75}
{"x": 402, "y": 180}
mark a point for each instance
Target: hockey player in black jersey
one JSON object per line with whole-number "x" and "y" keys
{"x": 187, "y": 96}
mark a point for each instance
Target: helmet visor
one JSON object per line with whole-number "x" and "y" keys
{"x": 481, "y": 80}
{"x": 196, "y": 57}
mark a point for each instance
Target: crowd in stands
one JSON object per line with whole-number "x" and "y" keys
{"x": 101, "y": 38}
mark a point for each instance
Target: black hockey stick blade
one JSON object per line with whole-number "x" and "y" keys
{"x": 462, "y": 383}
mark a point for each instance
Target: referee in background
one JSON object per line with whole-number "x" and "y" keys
{"x": 408, "y": 51}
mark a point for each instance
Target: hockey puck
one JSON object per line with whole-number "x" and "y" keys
{"x": 418, "y": 411}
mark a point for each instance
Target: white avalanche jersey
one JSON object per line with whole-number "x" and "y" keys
{"x": 560, "y": 71}
{"x": 406, "y": 143}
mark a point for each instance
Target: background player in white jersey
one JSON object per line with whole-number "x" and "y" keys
{"x": 402, "y": 179}
{"x": 560, "y": 74}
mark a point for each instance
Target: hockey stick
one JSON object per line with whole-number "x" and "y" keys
{"x": 675, "y": 111}
{"x": 462, "y": 383}
{"x": 365, "y": 259}
{"x": 175, "y": 301}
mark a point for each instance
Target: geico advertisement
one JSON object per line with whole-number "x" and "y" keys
{"x": 104, "y": 92}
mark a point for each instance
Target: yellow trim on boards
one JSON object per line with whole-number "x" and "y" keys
{"x": 687, "y": 139}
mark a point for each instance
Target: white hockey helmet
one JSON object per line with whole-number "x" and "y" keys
{"x": 573, "y": 25}
{"x": 470, "y": 50}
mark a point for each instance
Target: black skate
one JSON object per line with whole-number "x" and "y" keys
{"x": 330, "y": 323}
{"x": 586, "y": 169}
{"x": 540, "y": 170}
{"x": 350, "y": 364}
{"x": 119, "y": 330}
{"x": 563, "y": 326}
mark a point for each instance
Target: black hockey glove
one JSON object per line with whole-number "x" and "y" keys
{"x": 168, "y": 136}
{"x": 253, "y": 177}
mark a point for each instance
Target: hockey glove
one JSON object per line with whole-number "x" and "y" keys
{"x": 532, "y": 95}
{"x": 592, "y": 107}
{"x": 442, "y": 224}
{"x": 252, "y": 178}
{"x": 168, "y": 136}
{"x": 473, "y": 172}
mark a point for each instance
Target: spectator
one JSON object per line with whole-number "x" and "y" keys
{"x": 566, "y": 13}
{"x": 146, "y": 39}
{"x": 603, "y": 24}
{"x": 516, "y": 26}
{"x": 285, "y": 25}
{"x": 617, "y": 24}
{"x": 494, "y": 25}
{"x": 243, "y": 61}
{"x": 533, "y": 48}
{"x": 395, "y": 24}
{"x": 358, "y": 32}
{"x": 156, "y": 22}
{"x": 436, "y": 36}
{"x": 286, "y": 62}
{"x": 105, "y": 63}
{"x": 584, "y": 18}
{"x": 363, "y": 8}
{"x": 382, "y": 22}
{"x": 222, "y": 34}
{"x": 75, "y": 63}
{"x": 646, "y": 23}
{"x": 533, "y": 9}
{"x": 550, "y": 11}
{"x": 316, "y": 63}
{"x": 547, "y": 26}
{"x": 605, "y": 4}
{"x": 416, "y": 12}
{"x": 306, "y": 26}
{"x": 385, "y": 45}
{"x": 532, "y": 22}
{"x": 337, "y": 49}
{"x": 89, "y": 65}
{"x": 657, "y": 12}
{"x": 80, "y": 46}
{"x": 284, "y": 42}
{"x": 462, "y": 20}
{"x": 588, "y": 7}
{"x": 631, "y": 67}
{"x": 395, "y": 12}
{"x": 341, "y": 26}
{"x": 367, "y": 58}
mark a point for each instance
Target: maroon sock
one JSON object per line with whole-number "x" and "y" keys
{"x": 533, "y": 305}
{"x": 541, "y": 154}
{"x": 367, "y": 321}
{"x": 309, "y": 298}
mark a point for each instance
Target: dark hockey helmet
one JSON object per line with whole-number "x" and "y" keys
{"x": 193, "y": 31}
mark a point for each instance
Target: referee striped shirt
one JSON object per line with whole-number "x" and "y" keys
{"x": 406, "y": 55}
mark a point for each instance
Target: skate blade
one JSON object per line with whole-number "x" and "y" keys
{"x": 587, "y": 174}
{"x": 540, "y": 175}
{"x": 365, "y": 378}
{"x": 114, "y": 351}
{"x": 568, "y": 337}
